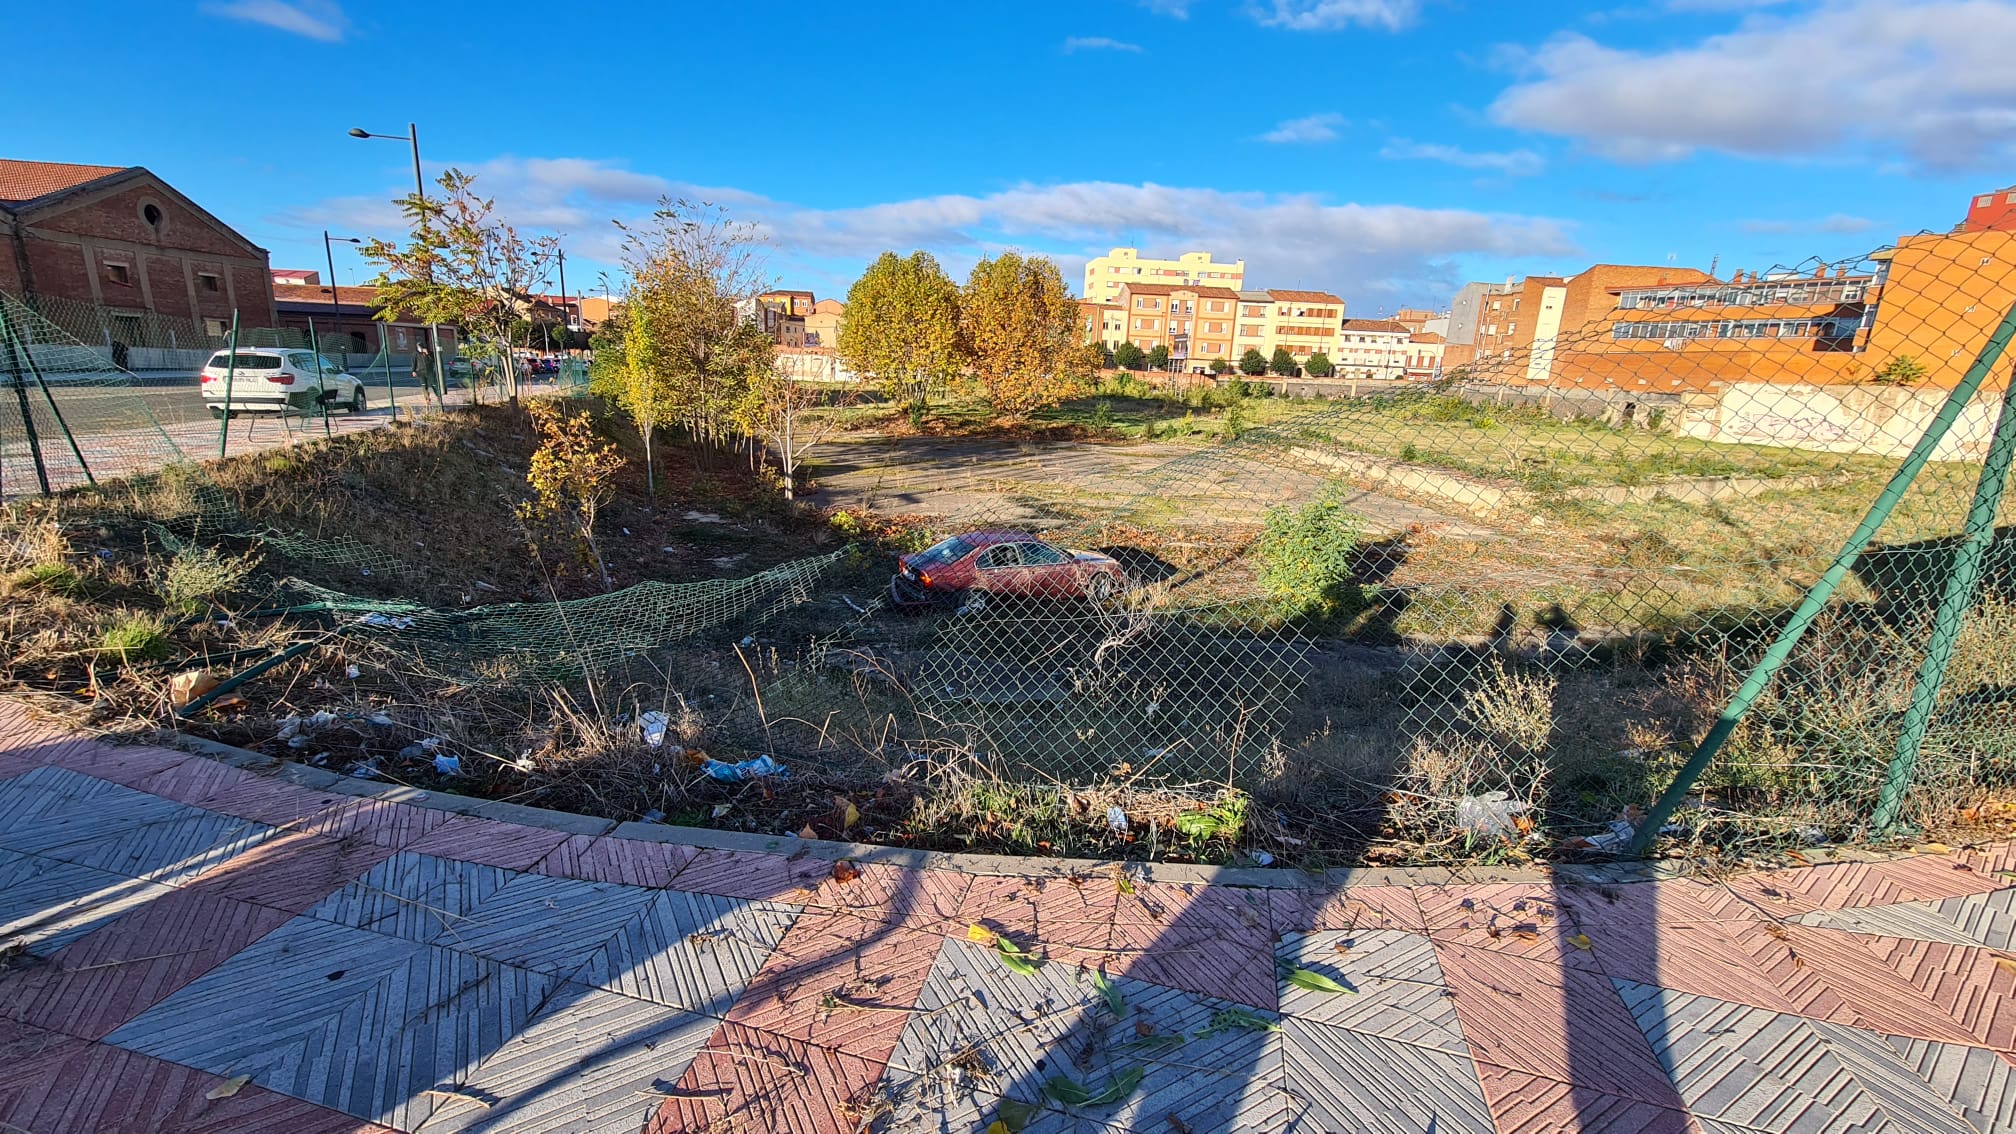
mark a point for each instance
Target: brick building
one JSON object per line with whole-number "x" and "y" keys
{"x": 350, "y": 316}
{"x": 122, "y": 240}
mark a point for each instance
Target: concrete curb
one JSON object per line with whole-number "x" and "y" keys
{"x": 994, "y": 865}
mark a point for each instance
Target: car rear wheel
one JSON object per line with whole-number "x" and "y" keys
{"x": 972, "y": 601}
{"x": 357, "y": 400}
{"x": 218, "y": 413}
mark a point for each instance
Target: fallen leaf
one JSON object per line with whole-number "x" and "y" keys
{"x": 1072, "y": 1093}
{"x": 187, "y": 686}
{"x": 1013, "y": 958}
{"x": 2007, "y": 964}
{"x": 849, "y": 814}
{"x": 844, "y": 871}
{"x": 1115, "y": 1003}
{"x": 1313, "y": 981}
{"x": 980, "y": 934}
{"x": 1581, "y": 941}
{"x": 1934, "y": 848}
{"x": 1143, "y": 1028}
{"x": 228, "y": 1087}
{"x": 806, "y": 832}
{"x": 1238, "y": 1019}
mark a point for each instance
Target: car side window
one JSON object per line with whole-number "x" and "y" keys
{"x": 1000, "y": 555}
{"x": 1040, "y": 554}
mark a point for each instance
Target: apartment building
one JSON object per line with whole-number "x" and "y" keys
{"x": 1102, "y": 323}
{"x": 1196, "y": 324}
{"x": 1371, "y": 348}
{"x": 1105, "y": 275}
{"x": 1303, "y": 322}
{"x": 822, "y": 325}
{"x": 783, "y": 313}
{"x": 1523, "y": 325}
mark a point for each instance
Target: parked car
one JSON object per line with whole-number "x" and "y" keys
{"x": 967, "y": 569}
{"x": 279, "y": 380}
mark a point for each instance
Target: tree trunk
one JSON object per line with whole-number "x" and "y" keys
{"x": 650, "y": 472}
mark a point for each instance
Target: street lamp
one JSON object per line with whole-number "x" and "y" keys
{"x": 335, "y": 301}
{"x": 412, "y": 135}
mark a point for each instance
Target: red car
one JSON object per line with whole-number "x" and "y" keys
{"x": 967, "y": 568}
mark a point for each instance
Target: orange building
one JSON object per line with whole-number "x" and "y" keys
{"x": 1195, "y": 323}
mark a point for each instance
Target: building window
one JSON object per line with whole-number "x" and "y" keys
{"x": 119, "y": 273}
{"x": 210, "y": 282}
{"x": 152, "y": 216}
{"x": 214, "y": 328}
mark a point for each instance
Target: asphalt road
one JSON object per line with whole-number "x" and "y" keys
{"x": 172, "y": 400}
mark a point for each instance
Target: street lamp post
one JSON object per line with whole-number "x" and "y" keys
{"x": 335, "y": 300}
{"x": 412, "y": 134}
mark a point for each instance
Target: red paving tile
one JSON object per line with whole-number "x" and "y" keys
{"x": 274, "y": 802}
{"x": 628, "y": 862}
{"x": 1529, "y": 1104}
{"x": 1071, "y": 922}
{"x": 388, "y": 824}
{"x": 842, "y": 981}
{"x": 766, "y": 877}
{"x": 1196, "y": 954}
{"x": 1701, "y": 957}
{"x": 1826, "y": 975}
{"x": 1358, "y": 907}
{"x": 195, "y": 780}
{"x": 512, "y": 846}
{"x": 129, "y": 765}
{"x": 1834, "y": 886}
{"x": 751, "y": 1080}
{"x": 108, "y": 1090}
{"x": 100, "y": 981}
{"x": 292, "y": 872}
{"x": 1516, "y": 919}
{"x": 1556, "y": 1023}
{"x": 1975, "y": 987}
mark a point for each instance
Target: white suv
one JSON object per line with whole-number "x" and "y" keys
{"x": 281, "y": 380}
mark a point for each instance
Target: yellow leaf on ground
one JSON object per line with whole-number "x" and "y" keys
{"x": 981, "y": 934}
{"x": 1581, "y": 941}
{"x": 228, "y": 1087}
{"x": 1934, "y": 848}
{"x": 2006, "y": 963}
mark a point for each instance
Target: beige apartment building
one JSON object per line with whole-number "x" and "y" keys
{"x": 822, "y": 326}
{"x": 1195, "y": 323}
{"x": 1105, "y": 275}
{"x": 1303, "y": 322}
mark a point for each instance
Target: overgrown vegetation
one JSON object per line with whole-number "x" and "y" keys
{"x": 1307, "y": 556}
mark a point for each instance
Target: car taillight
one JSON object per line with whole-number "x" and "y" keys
{"x": 924, "y": 577}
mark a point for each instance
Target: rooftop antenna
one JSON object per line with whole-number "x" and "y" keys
{"x": 1713, "y": 262}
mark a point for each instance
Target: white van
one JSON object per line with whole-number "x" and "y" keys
{"x": 279, "y": 380}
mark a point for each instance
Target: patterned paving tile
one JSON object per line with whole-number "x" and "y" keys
{"x": 1398, "y": 990}
{"x": 194, "y": 779}
{"x": 348, "y": 1019}
{"x": 1979, "y": 1083}
{"x": 981, "y": 1034}
{"x": 1558, "y": 1023}
{"x": 1518, "y": 919}
{"x": 412, "y": 896}
{"x": 126, "y": 765}
{"x": 766, "y": 877}
{"x": 291, "y": 871}
{"x": 1976, "y": 988}
{"x": 107, "y": 977}
{"x": 691, "y": 951}
{"x": 1355, "y": 907}
{"x": 845, "y": 982}
{"x": 1770, "y": 1071}
{"x": 61, "y": 814}
{"x": 589, "y": 1062}
{"x": 548, "y": 924}
{"x": 1201, "y": 951}
{"x": 388, "y": 824}
{"x": 1339, "y": 1079}
{"x": 921, "y": 899}
{"x": 1069, "y": 920}
{"x": 1530, "y": 1104}
{"x": 745, "y": 1079}
{"x": 42, "y": 796}
{"x": 1827, "y": 974}
{"x": 45, "y": 904}
{"x": 1976, "y": 919}
{"x": 274, "y": 802}
{"x": 107, "y": 1090}
{"x": 512, "y": 846}
{"x": 603, "y": 858}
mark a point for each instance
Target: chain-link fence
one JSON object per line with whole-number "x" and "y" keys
{"x": 1678, "y": 530}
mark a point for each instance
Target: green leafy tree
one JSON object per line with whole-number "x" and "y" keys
{"x": 902, "y": 328}
{"x": 1902, "y": 370}
{"x": 1283, "y": 363}
{"x": 1220, "y": 366}
{"x": 573, "y": 477}
{"x": 1018, "y": 330}
{"x": 1319, "y": 366}
{"x": 461, "y": 264}
{"x": 1252, "y": 363}
{"x": 1158, "y": 359}
{"x": 1127, "y": 356}
{"x": 1307, "y": 555}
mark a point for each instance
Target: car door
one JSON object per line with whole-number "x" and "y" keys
{"x": 999, "y": 570}
{"x": 1049, "y": 571}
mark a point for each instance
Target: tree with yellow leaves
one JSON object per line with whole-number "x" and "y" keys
{"x": 1018, "y": 329}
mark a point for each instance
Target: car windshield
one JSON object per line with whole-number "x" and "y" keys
{"x": 223, "y": 361}
{"x": 943, "y": 552}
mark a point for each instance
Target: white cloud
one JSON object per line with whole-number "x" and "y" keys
{"x": 1330, "y": 15}
{"x": 1097, "y": 43}
{"x": 1366, "y": 252}
{"x": 1308, "y": 128}
{"x": 1515, "y": 163}
{"x": 1931, "y": 79}
{"x": 314, "y": 19}
{"x": 1837, "y": 224}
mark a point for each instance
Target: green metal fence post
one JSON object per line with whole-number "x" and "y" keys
{"x": 385, "y": 358}
{"x": 1975, "y": 539}
{"x": 27, "y": 415}
{"x": 1817, "y": 598}
{"x": 230, "y": 372}
{"x": 41, "y": 383}
{"x": 321, "y": 389}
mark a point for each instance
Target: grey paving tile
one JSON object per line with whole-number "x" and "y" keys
{"x": 171, "y": 849}
{"x": 46, "y": 903}
{"x": 691, "y": 951}
{"x": 1920, "y": 920}
{"x": 1989, "y": 918}
{"x": 589, "y": 1062}
{"x": 542, "y": 922}
{"x": 1979, "y": 1083}
{"x": 1400, "y": 993}
{"x": 1775, "y": 1072}
{"x": 1339, "y": 1079}
{"x": 981, "y": 1034}
{"x": 40, "y": 792}
{"x": 413, "y": 896}
{"x": 357, "y": 1021}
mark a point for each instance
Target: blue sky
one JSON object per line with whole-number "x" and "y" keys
{"x": 1385, "y": 149}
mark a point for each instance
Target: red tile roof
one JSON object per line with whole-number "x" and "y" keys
{"x": 27, "y": 180}
{"x": 1383, "y": 326}
{"x": 319, "y": 293}
{"x": 1202, "y": 290}
{"x": 1304, "y": 296}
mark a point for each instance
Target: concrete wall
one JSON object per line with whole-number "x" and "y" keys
{"x": 1863, "y": 418}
